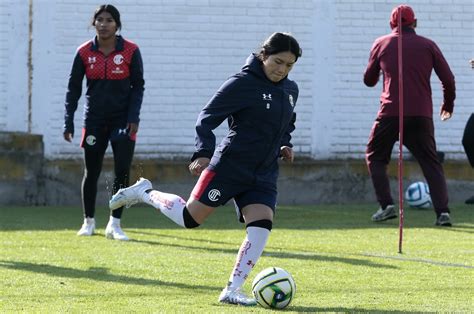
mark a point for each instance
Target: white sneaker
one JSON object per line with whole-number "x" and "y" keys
{"x": 115, "y": 232}
{"x": 131, "y": 195}
{"x": 87, "y": 228}
{"x": 236, "y": 296}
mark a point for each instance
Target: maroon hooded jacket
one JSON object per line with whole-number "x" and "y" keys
{"x": 420, "y": 57}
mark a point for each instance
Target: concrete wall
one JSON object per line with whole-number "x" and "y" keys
{"x": 190, "y": 47}
{"x": 21, "y": 169}
{"x": 27, "y": 178}
{"x": 305, "y": 182}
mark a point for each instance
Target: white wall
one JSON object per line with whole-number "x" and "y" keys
{"x": 4, "y": 44}
{"x": 14, "y": 65}
{"x": 348, "y": 107}
{"x": 190, "y": 47}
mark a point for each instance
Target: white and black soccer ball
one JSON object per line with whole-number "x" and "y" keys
{"x": 274, "y": 287}
{"x": 417, "y": 195}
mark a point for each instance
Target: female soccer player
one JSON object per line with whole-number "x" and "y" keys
{"x": 114, "y": 70}
{"x": 258, "y": 103}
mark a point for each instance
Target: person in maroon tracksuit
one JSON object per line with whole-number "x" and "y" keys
{"x": 114, "y": 70}
{"x": 420, "y": 56}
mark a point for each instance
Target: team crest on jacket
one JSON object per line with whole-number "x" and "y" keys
{"x": 118, "y": 59}
{"x": 290, "y": 98}
{"x": 91, "y": 140}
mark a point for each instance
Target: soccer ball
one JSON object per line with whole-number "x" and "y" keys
{"x": 418, "y": 195}
{"x": 274, "y": 287}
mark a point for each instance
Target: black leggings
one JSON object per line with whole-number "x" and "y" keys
{"x": 468, "y": 140}
{"x": 93, "y": 158}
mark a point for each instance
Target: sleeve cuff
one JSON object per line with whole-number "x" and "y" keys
{"x": 447, "y": 108}
{"x": 202, "y": 153}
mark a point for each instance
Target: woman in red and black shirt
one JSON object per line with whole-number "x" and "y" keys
{"x": 114, "y": 70}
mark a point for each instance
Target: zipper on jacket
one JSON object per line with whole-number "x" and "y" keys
{"x": 276, "y": 137}
{"x": 105, "y": 67}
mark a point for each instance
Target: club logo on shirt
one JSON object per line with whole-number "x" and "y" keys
{"x": 91, "y": 140}
{"x": 290, "y": 98}
{"x": 118, "y": 59}
{"x": 267, "y": 96}
{"x": 214, "y": 195}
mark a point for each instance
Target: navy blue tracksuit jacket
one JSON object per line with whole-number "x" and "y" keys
{"x": 261, "y": 117}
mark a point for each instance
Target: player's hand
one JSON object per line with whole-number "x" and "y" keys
{"x": 287, "y": 154}
{"x": 132, "y": 128}
{"x": 445, "y": 115}
{"x": 68, "y": 136}
{"x": 198, "y": 165}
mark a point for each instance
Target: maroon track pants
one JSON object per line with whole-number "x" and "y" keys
{"x": 419, "y": 138}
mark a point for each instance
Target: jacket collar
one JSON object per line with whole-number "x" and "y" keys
{"x": 118, "y": 44}
{"x": 405, "y": 30}
{"x": 255, "y": 66}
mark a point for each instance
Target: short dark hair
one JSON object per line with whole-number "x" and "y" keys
{"x": 280, "y": 42}
{"x": 110, "y": 9}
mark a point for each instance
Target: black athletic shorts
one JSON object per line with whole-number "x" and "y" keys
{"x": 217, "y": 188}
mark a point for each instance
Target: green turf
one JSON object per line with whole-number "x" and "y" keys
{"x": 340, "y": 260}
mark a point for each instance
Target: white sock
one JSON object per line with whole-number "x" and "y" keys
{"x": 114, "y": 221}
{"x": 170, "y": 205}
{"x": 249, "y": 253}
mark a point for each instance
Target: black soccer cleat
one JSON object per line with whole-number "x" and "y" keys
{"x": 384, "y": 214}
{"x": 444, "y": 220}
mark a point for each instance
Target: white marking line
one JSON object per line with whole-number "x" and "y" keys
{"x": 419, "y": 260}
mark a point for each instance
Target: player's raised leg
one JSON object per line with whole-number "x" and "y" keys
{"x": 131, "y": 195}
{"x": 172, "y": 206}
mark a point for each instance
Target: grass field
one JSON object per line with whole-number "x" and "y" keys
{"x": 340, "y": 260}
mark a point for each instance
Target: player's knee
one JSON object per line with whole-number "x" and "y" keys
{"x": 263, "y": 223}
{"x": 189, "y": 221}
{"x": 91, "y": 175}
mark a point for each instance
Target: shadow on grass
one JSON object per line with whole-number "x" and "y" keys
{"x": 97, "y": 274}
{"x": 269, "y": 253}
{"x": 317, "y": 217}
